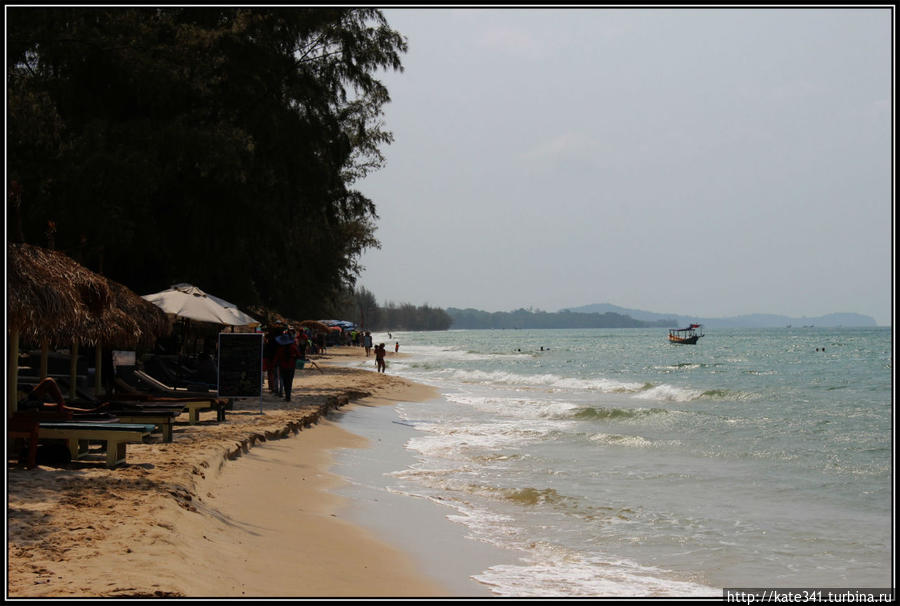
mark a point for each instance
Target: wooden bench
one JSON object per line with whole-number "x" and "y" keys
{"x": 78, "y": 436}
{"x": 194, "y": 409}
{"x": 165, "y": 420}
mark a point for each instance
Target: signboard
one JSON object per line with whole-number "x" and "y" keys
{"x": 123, "y": 358}
{"x": 240, "y": 364}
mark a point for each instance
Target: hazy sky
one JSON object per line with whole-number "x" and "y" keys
{"x": 705, "y": 162}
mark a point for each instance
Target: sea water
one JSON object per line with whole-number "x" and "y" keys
{"x": 612, "y": 462}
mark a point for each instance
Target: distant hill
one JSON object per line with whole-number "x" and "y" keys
{"x": 526, "y": 318}
{"x": 748, "y": 321}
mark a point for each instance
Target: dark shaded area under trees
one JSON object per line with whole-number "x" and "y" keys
{"x": 216, "y": 146}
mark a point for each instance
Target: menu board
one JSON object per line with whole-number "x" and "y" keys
{"x": 240, "y": 364}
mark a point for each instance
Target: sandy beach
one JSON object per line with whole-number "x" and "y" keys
{"x": 238, "y": 509}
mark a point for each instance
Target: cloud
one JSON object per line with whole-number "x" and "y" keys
{"x": 511, "y": 40}
{"x": 560, "y": 147}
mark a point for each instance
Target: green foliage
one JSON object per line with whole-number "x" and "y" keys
{"x": 411, "y": 317}
{"x": 217, "y": 146}
{"x": 360, "y": 306}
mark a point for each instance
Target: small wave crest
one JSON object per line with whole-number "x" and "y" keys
{"x": 604, "y": 414}
{"x": 672, "y": 393}
{"x": 551, "y": 381}
{"x": 613, "y": 439}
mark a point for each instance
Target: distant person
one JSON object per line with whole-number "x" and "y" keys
{"x": 396, "y": 346}
{"x": 379, "y": 357}
{"x": 367, "y": 342}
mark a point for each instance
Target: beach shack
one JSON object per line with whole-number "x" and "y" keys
{"x": 56, "y": 302}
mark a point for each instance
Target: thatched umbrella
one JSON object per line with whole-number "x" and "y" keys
{"x": 53, "y": 299}
{"x": 137, "y": 321}
{"x": 317, "y": 326}
{"x": 49, "y": 296}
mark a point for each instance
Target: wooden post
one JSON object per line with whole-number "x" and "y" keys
{"x": 12, "y": 400}
{"x": 45, "y": 348}
{"x": 98, "y": 363}
{"x": 73, "y": 370}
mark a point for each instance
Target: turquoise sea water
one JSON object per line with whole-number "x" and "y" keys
{"x": 615, "y": 463}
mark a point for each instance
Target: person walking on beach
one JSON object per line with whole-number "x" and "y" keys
{"x": 367, "y": 342}
{"x": 379, "y": 357}
{"x": 286, "y": 360}
{"x": 396, "y": 346}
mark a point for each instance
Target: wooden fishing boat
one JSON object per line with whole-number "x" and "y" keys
{"x": 686, "y": 336}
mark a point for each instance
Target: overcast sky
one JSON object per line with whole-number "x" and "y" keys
{"x": 705, "y": 162}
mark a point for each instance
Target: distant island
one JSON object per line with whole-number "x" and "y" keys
{"x": 527, "y": 318}
{"x": 850, "y": 320}
{"x": 605, "y": 315}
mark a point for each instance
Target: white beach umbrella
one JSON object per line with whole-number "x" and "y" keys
{"x": 188, "y": 301}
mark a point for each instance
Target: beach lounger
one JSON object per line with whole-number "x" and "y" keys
{"x": 158, "y": 407}
{"x": 162, "y": 417}
{"x": 126, "y": 398}
{"x": 163, "y": 392}
{"x": 79, "y": 435}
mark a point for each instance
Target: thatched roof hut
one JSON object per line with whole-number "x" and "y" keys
{"x": 315, "y": 326}
{"x": 129, "y": 321}
{"x": 270, "y": 317}
{"x": 51, "y": 297}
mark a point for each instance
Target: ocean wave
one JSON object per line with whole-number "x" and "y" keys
{"x": 669, "y": 393}
{"x": 612, "y": 439}
{"x": 672, "y": 393}
{"x": 466, "y": 441}
{"x": 516, "y": 407}
{"x": 552, "y": 381}
{"x": 604, "y": 414}
{"x": 557, "y": 572}
{"x": 438, "y": 355}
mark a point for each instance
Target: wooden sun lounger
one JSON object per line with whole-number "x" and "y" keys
{"x": 193, "y": 401}
{"x": 78, "y": 435}
{"x": 159, "y": 386}
{"x": 162, "y": 418}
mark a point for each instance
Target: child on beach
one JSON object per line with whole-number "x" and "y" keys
{"x": 379, "y": 357}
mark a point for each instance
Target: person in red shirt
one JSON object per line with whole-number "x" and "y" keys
{"x": 286, "y": 359}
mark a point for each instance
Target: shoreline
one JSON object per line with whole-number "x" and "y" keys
{"x": 423, "y": 527}
{"x": 213, "y": 515}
